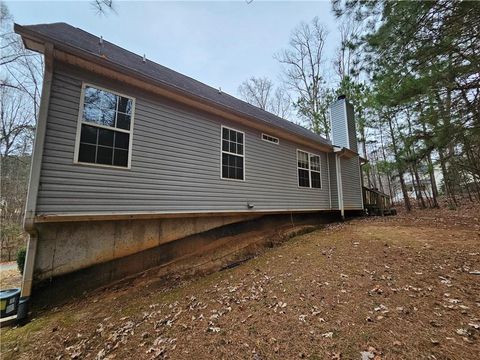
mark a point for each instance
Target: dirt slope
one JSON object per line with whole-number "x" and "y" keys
{"x": 395, "y": 288}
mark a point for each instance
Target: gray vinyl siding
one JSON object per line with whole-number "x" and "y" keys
{"x": 352, "y": 135}
{"x": 175, "y": 163}
{"x": 343, "y": 125}
{"x": 332, "y": 165}
{"x": 351, "y": 183}
{"x": 338, "y": 123}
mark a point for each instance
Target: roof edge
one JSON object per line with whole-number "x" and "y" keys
{"x": 30, "y": 36}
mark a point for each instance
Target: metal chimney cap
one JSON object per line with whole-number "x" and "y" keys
{"x": 341, "y": 97}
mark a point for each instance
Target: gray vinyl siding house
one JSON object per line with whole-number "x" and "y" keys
{"x": 175, "y": 165}
{"x": 170, "y": 158}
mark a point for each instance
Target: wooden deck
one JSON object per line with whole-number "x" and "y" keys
{"x": 377, "y": 203}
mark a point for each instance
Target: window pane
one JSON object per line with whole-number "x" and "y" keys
{"x": 100, "y": 99}
{"x": 232, "y": 167}
{"x": 303, "y": 178}
{"x": 315, "y": 163}
{"x": 302, "y": 159}
{"x": 104, "y": 155}
{"x": 86, "y": 153}
{"x": 99, "y": 145}
{"x": 99, "y": 106}
{"x": 124, "y": 105}
{"x": 316, "y": 182}
{"x": 121, "y": 140}
{"x": 91, "y": 113}
{"x": 123, "y": 121}
{"x": 239, "y": 173}
{"x": 225, "y": 146}
{"x": 105, "y": 137}
{"x": 120, "y": 157}
{"x": 88, "y": 134}
{"x": 99, "y": 116}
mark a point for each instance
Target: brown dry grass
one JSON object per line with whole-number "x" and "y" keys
{"x": 10, "y": 279}
{"x": 401, "y": 286}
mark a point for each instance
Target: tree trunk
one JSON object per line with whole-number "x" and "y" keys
{"x": 406, "y": 199}
{"x": 389, "y": 180}
{"x": 446, "y": 181}
{"x": 419, "y": 184}
{"x": 433, "y": 181}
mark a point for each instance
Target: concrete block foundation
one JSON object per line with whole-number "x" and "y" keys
{"x": 75, "y": 257}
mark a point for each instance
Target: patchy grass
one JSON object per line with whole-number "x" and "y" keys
{"x": 10, "y": 278}
{"x": 398, "y": 287}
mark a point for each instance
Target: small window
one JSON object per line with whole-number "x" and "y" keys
{"x": 269, "y": 138}
{"x": 233, "y": 157}
{"x": 308, "y": 166}
{"x": 105, "y": 128}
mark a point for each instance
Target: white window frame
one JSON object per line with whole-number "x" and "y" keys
{"x": 273, "y": 138}
{"x": 310, "y": 170}
{"x": 229, "y": 153}
{"x": 80, "y": 122}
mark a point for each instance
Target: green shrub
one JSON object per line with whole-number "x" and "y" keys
{"x": 21, "y": 254}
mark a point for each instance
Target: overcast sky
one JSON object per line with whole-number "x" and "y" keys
{"x": 218, "y": 43}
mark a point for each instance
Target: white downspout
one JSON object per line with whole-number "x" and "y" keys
{"x": 329, "y": 181}
{"x": 33, "y": 186}
{"x": 339, "y": 185}
{"x": 361, "y": 183}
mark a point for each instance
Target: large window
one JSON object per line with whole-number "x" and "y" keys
{"x": 105, "y": 128}
{"x": 308, "y": 170}
{"x": 233, "y": 164}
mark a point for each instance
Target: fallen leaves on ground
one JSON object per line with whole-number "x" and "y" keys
{"x": 374, "y": 288}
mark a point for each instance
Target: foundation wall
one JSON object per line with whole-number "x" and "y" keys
{"x": 67, "y": 247}
{"x": 203, "y": 252}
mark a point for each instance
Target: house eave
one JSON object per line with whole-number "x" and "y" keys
{"x": 344, "y": 152}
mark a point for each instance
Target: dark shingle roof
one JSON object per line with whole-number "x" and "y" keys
{"x": 67, "y": 35}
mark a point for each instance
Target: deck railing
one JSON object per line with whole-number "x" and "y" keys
{"x": 376, "y": 202}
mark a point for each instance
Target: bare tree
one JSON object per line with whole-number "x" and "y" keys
{"x": 22, "y": 69}
{"x": 347, "y": 60}
{"x": 7, "y": 37}
{"x": 257, "y": 91}
{"x": 102, "y": 7}
{"x": 16, "y": 123}
{"x": 21, "y": 75}
{"x": 262, "y": 93}
{"x": 304, "y": 74}
{"x": 281, "y": 103}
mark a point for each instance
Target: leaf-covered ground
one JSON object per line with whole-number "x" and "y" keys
{"x": 404, "y": 287}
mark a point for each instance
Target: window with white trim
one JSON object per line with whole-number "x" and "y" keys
{"x": 105, "y": 128}
{"x": 308, "y": 166}
{"x": 233, "y": 157}
{"x": 270, "y": 138}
